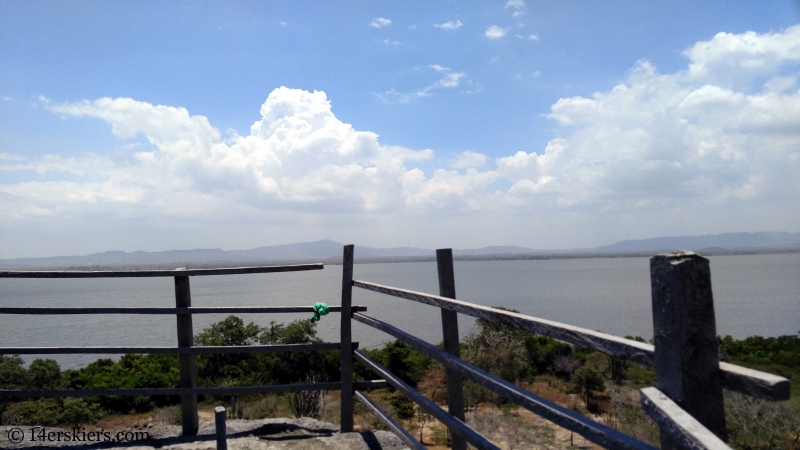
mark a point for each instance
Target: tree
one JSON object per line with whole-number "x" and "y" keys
{"x": 44, "y": 412}
{"x": 77, "y": 412}
{"x": 402, "y": 405}
{"x": 291, "y": 367}
{"x": 420, "y": 418}
{"x": 12, "y": 374}
{"x": 498, "y": 348}
{"x": 44, "y": 374}
{"x": 217, "y": 368}
{"x": 403, "y": 361}
{"x": 586, "y": 380}
{"x": 618, "y": 367}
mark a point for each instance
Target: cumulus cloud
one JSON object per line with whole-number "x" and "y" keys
{"x": 450, "y": 25}
{"x": 495, "y": 32}
{"x": 297, "y": 155}
{"x": 468, "y": 159}
{"x": 735, "y": 60}
{"x": 448, "y": 190}
{"x": 701, "y": 141}
{"x": 380, "y": 22}
{"x": 690, "y": 135}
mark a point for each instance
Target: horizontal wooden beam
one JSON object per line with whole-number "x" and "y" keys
{"x": 393, "y": 426}
{"x": 191, "y": 310}
{"x": 456, "y": 426}
{"x": 684, "y": 429}
{"x": 638, "y": 352}
{"x": 595, "y": 432}
{"x": 327, "y": 386}
{"x": 754, "y": 382}
{"x": 156, "y": 273}
{"x": 172, "y": 350}
{"x": 735, "y": 378}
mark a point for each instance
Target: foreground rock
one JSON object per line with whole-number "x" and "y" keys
{"x": 266, "y": 434}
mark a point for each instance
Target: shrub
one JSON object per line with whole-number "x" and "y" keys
{"x": 586, "y": 380}
{"x": 44, "y": 412}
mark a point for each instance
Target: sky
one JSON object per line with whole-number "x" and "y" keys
{"x": 551, "y": 125}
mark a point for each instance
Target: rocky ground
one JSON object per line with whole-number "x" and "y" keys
{"x": 266, "y": 434}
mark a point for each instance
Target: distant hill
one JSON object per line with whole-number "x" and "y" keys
{"x": 318, "y": 251}
{"x": 328, "y": 251}
{"x": 713, "y": 242}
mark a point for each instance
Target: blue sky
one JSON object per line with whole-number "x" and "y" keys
{"x": 550, "y": 125}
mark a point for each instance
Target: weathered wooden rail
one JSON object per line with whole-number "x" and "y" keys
{"x": 686, "y": 402}
{"x": 188, "y": 390}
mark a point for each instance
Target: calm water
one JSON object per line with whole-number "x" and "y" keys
{"x": 753, "y": 295}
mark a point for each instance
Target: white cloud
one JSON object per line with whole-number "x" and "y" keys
{"x": 664, "y": 137}
{"x": 700, "y": 144}
{"x": 468, "y": 159}
{"x": 519, "y": 5}
{"x": 534, "y": 37}
{"x": 449, "y": 25}
{"x": 449, "y": 79}
{"x": 735, "y": 60}
{"x": 495, "y": 32}
{"x": 380, "y": 22}
{"x": 298, "y": 155}
{"x": 448, "y": 190}
{"x": 388, "y": 41}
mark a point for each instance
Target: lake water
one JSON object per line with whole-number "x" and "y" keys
{"x": 753, "y": 295}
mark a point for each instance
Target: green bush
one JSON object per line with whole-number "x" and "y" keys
{"x": 248, "y": 369}
{"x": 402, "y": 405}
{"x": 400, "y": 359}
{"x": 77, "y": 412}
{"x": 44, "y": 412}
{"x": 587, "y": 380}
{"x": 131, "y": 371}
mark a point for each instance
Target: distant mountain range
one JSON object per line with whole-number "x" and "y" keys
{"x": 726, "y": 241}
{"x": 328, "y": 251}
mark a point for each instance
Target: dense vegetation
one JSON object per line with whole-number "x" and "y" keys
{"x": 602, "y": 385}
{"x": 161, "y": 371}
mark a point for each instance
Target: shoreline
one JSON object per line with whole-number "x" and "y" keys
{"x": 404, "y": 259}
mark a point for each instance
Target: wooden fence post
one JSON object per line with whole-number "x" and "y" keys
{"x": 188, "y": 376}
{"x": 346, "y": 351}
{"x": 455, "y": 390}
{"x": 685, "y": 335}
{"x": 219, "y": 423}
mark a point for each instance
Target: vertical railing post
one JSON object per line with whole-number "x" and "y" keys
{"x": 219, "y": 422}
{"x": 685, "y": 335}
{"x": 346, "y": 341}
{"x": 455, "y": 390}
{"x": 188, "y": 373}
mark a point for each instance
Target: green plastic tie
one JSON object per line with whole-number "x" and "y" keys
{"x": 320, "y": 309}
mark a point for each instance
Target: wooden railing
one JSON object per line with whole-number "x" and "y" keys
{"x": 686, "y": 402}
{"x": 186, "y": 351}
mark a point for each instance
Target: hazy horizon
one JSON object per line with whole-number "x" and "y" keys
{"x": 302, "y": 251}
